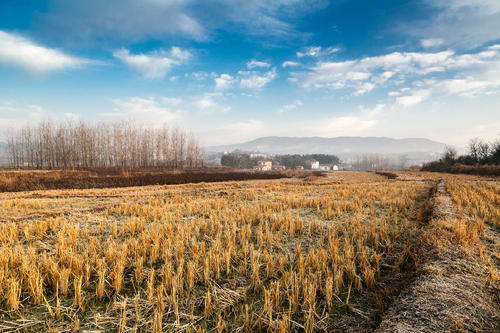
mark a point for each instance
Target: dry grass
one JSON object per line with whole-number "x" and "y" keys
{"x": 458, "y": 288}
{"x": 314, "y": 254}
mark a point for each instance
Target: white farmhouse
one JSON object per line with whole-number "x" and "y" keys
{"x": 263, "y": 166}
{"x": 328, "y": 167}
{"x": 314, "y": 164}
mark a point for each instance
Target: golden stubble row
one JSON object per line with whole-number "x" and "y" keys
{"x": 268, "y": 255}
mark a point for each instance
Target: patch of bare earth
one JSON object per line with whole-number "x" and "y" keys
{"x": 454, "y": 291}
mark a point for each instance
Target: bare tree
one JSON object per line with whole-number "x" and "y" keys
{"x": 87, "y": 145}
{"x": 449, "y": 155}
{"x": 473, "y": 147}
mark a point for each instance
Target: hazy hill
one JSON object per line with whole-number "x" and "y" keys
{"x": 338, "y": 145}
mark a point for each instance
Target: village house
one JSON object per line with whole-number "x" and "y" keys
{"x": 328, "y": 167}
{"x": 278, "y": 166}
{"x": 263, "y": 166}
{"x": 256, "y": 155}
{"x": 314, "y": 165}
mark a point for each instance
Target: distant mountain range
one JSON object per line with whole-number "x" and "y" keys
{"x": 338, "y": 145}
{"x": 417, "y": 149}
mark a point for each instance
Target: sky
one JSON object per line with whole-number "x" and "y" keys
{"x": 232, "y": 71}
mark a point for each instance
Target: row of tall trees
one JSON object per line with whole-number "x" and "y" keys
{"x": 369, "y": 162}
{"x": 77, "y": 145}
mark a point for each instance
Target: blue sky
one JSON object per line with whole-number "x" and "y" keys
{"x": 235, "y": 70}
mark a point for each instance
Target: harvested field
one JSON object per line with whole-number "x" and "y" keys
{"x": 346, "y": 252}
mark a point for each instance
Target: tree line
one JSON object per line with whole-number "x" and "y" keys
{"x": 375, "y": 161}
{"x": 80, "y": 145}
{"x": 479, "y": 153}
{"x": 245, "y": 161}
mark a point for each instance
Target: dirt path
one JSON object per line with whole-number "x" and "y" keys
{"x": 453, "y": 292}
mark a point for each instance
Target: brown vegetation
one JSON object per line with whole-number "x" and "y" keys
{"x": 482, "y": 170}
{"x": 29, "y": 180}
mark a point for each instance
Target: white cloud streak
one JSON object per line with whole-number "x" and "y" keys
{"x": 365, "y": 74}
{"x": 210, "y": 102}
{"x": 414, "y": 98}
{"x": 465, "y": 24}
{"x": 431, "y": 42}
{"x": 351, "y": 124}
{"x": 317, "y": 51}
{"x": 21, "y": 52}
{"x": 289, "y": 63}
{"x": 256, "y": 80}
{"x": 155, "y": 64}
{"x": 137, "y": 20}
{"x": 151, "y": 111}
{"x": 255, "y": 63}
{"x": 224, "y": 81}
{"x": 292, "y": 106}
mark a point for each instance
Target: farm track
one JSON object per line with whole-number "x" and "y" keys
{"x": 450, "y": 293}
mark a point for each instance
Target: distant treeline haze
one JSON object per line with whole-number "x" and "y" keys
{"x": 245, "y": 161}
{"x": 87, "y": 145}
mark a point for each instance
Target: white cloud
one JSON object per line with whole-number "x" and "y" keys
{"x": 246, "y": 127}
{"x": 290, "y": 64}
{"x": 210, "y": 102}
{"x": 134, "y": 20}
{"x": 466, "y": 87}
{"x": 124, "y": 20}
{"x": 205, "y": 103}
{"x": 345, "y": 125}
{"x": 224, "y": 81}
{"x": 151, "y": 111}
{"x": 317, "y": 51}
{"x": 462, "y": 23}
{"x": 292, "y": 106}
{"x": 200, "y": 76}
{"x": 256, "y": 80}
{"x": 174, "y": 101}
{"x": 364, "y": 88}
{"x": 483, "y": 78}
{"x": 414, "y": 98}
{"x": 155, "y": 64}
{"x": 232, "y": 132}
{"x": 312, "y": 51}
{"x": 254, "y": 63}
{"x": 365, "y": 74}
{"x": 21, "y": 52}
{"x": 431, "y": 42}
{"x": 350, "y": 124}
{"x": 367, "y": 112}
{"x": 14, "y": 115}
